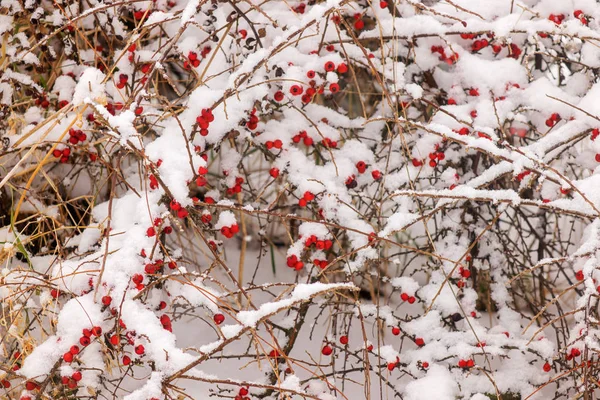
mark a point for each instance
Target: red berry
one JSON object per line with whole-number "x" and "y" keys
{"x": 579, "y": 275}
{"x": 334, "y": 88}
{"x": 139, "y": 349}
{"x": 84, "y": 340}
{"x": 326, "y": 350}
{"x": 395, "y": 331}
{"x": 150, "y": 232}
{"x": 419, "y": 342}
{"x": 74, "y": 350}
{"x": 219, "y": 318}
{"x": 547, "y": 367}
{"x": 359, "y": 24}
{"x": 126, "y": 360}
{"x": 296, "y": 90}
{"x": 329, "y": 66}
{"x": 274, "y": 172}
{"x": 76, "y": 376}
{"x": 344, "y": 339}
{"x": 391, "y": 366}
{"x": 114, "y": 340}
{"x": 68, "y": 357}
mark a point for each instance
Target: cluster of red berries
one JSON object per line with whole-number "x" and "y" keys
{"x": 392, "y": 365}
{"x": 406, "y": 297}
{"x": 17, "y": 357}
{"x": 328, "y": 143}
{"x": 71, "y": 382}
{"x": 479, "y": 44}
{"x": 150, "y": 232}
{"x": 84, "y": 340}
{"x": 165, "y": 321}
{"x": 466, "y": 364}
{"x": 62, "y": 154}
{"x": 277, "y": 144}
{"x": 204, "y": 119}
{"x": 575, "y": 352}
{"x": 293, "y": 262}
{"x": 76, "y": 136}
{"x": 113, "y": 108}
{"x": 464, "y": 272}
{"x": 206, "y": 217}
{"x": 557, "y": 18}
{"x": 439, "y": 156}
{"x": 320, "y": 263}
{"x": 181, "y": 211}
{"x": 201, "y": 179}
{"x": 302, "y": 135}
{"x": 581, "y": 17}
{"x": 358, "y": 22}
{"x": 230, "y": 231}
{"x": 300, "y": 8}
{"x": 450, "y": 60}
{"x": 154, "y": 268}
{"x": 252, "y": 122}
{"x": 138, "y": 280}
{"x": 122, "y": 81}
{"x": 42, "y": 101}
{"x": 306, "y": 198}
{"x": 520, "y": 132}
{"x": 553, "y": 120}
{"x": 319, "y": 244}
{"x": 237, "y": 188}
{"x": 192, "y": 58}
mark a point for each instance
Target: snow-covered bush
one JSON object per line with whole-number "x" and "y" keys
{"x": 321, "y": 199}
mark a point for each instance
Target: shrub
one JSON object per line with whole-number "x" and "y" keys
{"x": 321, "y": 199}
